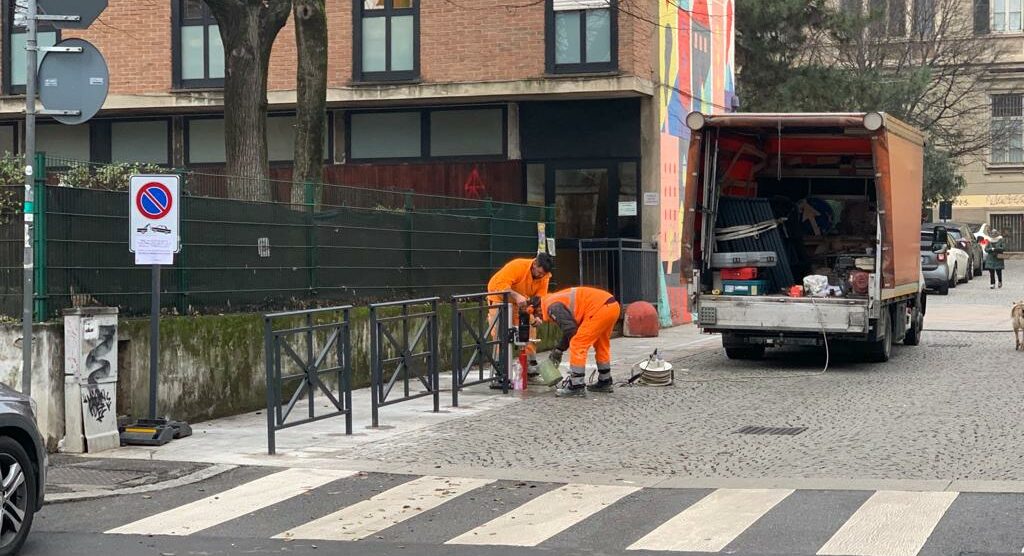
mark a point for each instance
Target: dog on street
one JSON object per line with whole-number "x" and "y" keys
{"x": 1017, "y": 315}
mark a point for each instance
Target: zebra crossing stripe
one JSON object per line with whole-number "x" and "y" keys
{"x": 230, "y": 504}
{"x": 545, "y": 516}
{"x": 396, "y": 505}
{"x": 890, "y": 523}
{"x": 713, "y": 522}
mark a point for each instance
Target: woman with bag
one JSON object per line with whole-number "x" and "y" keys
{"x": 994, "y": 258}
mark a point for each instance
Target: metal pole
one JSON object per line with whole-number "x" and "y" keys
{"x": 154, "y": 340}
{"x": 31, "y": 60}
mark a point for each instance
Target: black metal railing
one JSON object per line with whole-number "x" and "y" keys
{"x": 324, "y": 357}
{"x": 404, "y": 346}
{"x": 480, "y": 327}
{"x": 626, "y": 267}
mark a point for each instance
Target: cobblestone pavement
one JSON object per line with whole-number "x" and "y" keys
{"x": 948, "y": 409}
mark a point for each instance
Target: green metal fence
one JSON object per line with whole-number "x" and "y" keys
{"x": 341, "y": 244}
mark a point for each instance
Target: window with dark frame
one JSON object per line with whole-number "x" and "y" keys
{"x": 197, "y": 48}
{"x": 387, "y": 40}
{"x": 582, "y": 36}
{"x": 1008, "y": 129}
{"x": 14, "y": 36}
{"x": 476, "y": 133}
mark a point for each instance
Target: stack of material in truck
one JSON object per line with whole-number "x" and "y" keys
{"x": 736, "y": 211}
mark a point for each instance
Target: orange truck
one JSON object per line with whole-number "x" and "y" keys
{"x": 805, "y": 229}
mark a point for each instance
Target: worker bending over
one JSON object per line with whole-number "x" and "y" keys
{"x": 525, "y": 279}
{"x": 586, "y": 317}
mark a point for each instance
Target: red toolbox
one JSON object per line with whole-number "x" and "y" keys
{"x": 747, "y": 273}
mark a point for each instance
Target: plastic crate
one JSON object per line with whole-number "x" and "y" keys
{"x": 745, "y": 287}
{"x": 747, "y": 273}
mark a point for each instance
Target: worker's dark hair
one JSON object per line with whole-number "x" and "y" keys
{"x": 545, "y": 261}
{"x": 535, "y": 302}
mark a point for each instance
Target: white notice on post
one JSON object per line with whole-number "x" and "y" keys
{"x": 159, "y": 257}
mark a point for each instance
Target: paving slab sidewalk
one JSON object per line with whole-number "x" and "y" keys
{"x": 242, "y": 439}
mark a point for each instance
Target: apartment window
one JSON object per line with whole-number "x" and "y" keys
{"x": 582, "y": 36}
{"x": 897, "y": 21}
{"x": 63, "y": 143}
{"x": 1006, "y": 16}
{"x": 8, "y": 137}
{"x": 14, "y": 38}
{"x": 387, "y": 39}
{"x": 205, "y": 140}
{"x": 198, "y": 50}
{"x": 924, "y": 14}
{"x": 1008, "y": 129}
{"x": 448, "y": 133}
{"x": 140, "y": 141}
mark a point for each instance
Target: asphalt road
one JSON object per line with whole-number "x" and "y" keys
{"x": 321, "y": 512}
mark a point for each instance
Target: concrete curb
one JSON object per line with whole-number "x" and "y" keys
{"x": 201, "y": 475}
{"x": 660, "y": 481}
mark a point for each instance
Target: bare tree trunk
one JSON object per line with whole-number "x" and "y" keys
{"x": 248, "y": 29}
{"x": 311, "y": 42}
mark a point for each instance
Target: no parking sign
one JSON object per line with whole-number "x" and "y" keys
{"x": 154, "y": 223}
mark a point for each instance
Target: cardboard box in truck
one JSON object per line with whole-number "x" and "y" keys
{"x": 834, "y": 196}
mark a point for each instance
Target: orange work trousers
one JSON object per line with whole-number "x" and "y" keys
{"x": 596, "y": 331}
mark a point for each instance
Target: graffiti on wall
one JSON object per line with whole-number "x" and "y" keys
{"x": 696, "y": 73}
{"x": 98, "y": 365}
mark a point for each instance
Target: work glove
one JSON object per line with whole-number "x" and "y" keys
{"x": 555, "y": 356}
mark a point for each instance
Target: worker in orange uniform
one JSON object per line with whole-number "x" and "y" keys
{"x": 586, "y": 317}
{"x": 525, "y": 279}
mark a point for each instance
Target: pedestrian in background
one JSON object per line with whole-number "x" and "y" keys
{"x": 994, "y": 259}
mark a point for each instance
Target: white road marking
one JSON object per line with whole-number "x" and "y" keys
{"x": 545, "y": 516}
{"x": 230, "y": 504}
{"x": 713, "y": 522}
{"x": 890, "y": 523}
{"x": 396, "y": 505}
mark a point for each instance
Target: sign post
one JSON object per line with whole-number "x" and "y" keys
{"x": 154, "y": 236}
{"x": 74, "y": 14}
{"x": 154, "y": 225}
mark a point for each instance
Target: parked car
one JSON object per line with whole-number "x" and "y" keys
{"x": 943, "y": 265}
{"x": 965, "y": 239}
{"x": 22, "y": 469}
{"x": 982, "y": 234}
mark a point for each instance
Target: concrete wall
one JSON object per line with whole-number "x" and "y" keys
{"x": 48, "y": 378}
{"x": 210, "y": 366}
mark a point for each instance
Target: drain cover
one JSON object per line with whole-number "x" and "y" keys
{"x": 777, "y": 431}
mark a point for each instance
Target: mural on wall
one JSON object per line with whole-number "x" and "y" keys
{"x": 696, "y": 65}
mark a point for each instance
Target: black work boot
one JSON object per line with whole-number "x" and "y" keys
{"x": 572, "y": 387}
{"x": 604, "y": 386}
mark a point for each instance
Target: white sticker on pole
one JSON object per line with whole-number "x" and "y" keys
{"x": 154, "y": 224}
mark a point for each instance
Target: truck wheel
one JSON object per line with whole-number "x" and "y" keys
{"x": 880, "y": 350}
{"x": 943, "y": 289}
{"x": 746, "y": 353}
{"x": 953, "y": 281}
{"x": 913, "y": 336}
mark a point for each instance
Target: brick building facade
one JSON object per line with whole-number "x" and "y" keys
{"x": 559, "y": 102}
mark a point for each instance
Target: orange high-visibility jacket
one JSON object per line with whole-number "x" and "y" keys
{"x": 581, "y": 302}
{"x": 570, "y": 307}
{"x": 516, "y": 276}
